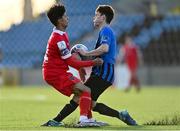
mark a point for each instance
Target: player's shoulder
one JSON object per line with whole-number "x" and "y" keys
{"x": 107, "y": 29}
{"x": 57, "y": 35}
{"x": 56, "y": 38}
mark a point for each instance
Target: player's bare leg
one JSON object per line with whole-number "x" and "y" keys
{"x": 85, "y": 105}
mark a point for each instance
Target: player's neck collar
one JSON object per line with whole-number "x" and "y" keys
{"x": 58, "y": 31}
{"x": 104, "y": 25}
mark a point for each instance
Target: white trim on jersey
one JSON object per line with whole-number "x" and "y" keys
{"x": 66, "y": 56}
{"x": 58, "y": 31}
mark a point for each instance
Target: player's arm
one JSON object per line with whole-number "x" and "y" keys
{"x": 104, "y": 48}
{"x": 105, "y": 40}
{"x": 72, "y": 60}
{"x": 81, "y": 71}
{"x": 77, "y": 64}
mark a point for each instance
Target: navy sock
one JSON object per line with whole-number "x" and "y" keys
{"x": 67, "y": 110}
{"x": 105, "y": 110}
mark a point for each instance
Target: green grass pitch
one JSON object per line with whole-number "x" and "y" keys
{"x": 26, "y": 108}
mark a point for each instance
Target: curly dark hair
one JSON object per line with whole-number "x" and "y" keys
{"x": 56, "y": 12}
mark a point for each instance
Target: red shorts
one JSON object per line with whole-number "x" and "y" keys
{"x": 62, "y": 83}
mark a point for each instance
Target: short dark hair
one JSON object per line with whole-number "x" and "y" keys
{"x": 56, "y": 12}
{"x": 106, "y": 10}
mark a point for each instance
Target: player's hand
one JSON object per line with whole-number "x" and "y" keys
{"x": 98, "y": 61}
{"x": 82, "y": 74}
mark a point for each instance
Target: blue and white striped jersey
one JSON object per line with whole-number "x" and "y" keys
{"x": 106, "y": 71}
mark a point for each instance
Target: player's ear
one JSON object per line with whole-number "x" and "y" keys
{"x": 59, "y": 20}
{"x": 103, "y": 17}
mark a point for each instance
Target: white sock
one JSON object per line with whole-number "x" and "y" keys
{"x": 92, "y": 119}
{"x": 83, "y": 118}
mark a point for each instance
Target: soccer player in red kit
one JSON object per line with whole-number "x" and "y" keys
{"x": 101, "y": 76}
{"x": 55, "y": 66}
{"x": 131, "y": 56}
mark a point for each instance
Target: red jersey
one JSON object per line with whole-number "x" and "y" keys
{"x": 56, "y": 61}
{"x": 131, "y": 55}
{"x": 58, "y": 49}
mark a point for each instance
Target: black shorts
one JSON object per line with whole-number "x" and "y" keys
{"x": 97, "y": 86}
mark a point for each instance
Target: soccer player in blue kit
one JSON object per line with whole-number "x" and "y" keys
{"x": 101, "y": 77}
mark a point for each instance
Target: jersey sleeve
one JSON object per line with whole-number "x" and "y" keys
{"x": 105, "y": 36}
{"x": 64, "y": 50}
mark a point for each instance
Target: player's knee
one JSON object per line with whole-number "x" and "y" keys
{"x": 75, "y": 99}
{"x": 79, "y": 88}
{"x": 87, "y": 89}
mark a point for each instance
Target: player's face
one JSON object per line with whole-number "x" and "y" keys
{"x": 64, "y": 20}
{"x": 98, "y": 19}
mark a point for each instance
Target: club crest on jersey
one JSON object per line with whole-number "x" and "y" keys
{"x": 62, "y": 45}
